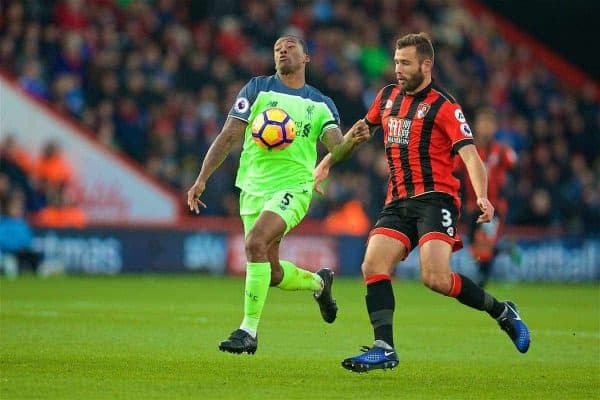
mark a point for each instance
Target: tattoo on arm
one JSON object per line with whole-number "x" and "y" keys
{"x": 332, "y": 137}
{"x": 340, "y": 146}
{"x": 233, "y": 130}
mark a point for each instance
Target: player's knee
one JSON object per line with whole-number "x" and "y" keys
{"x": 367, "y": 269}
{"x": 370, "y": 268}
{"x": 255, "y": 247}
{"x": 440, "y": 283}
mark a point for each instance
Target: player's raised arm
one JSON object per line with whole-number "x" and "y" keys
{"x": 340, "y": 148}
{"x": 232, "y": 132}
{"x": 478, "y": 177}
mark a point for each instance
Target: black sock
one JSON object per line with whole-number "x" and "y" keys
{"x": 380, "y": 305}
{"x": 469, "y": 294}
{"x": 485, "y": 270}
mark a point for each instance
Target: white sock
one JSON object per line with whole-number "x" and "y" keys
{"x": 318, "y": 292}
{"x": 249, "y": 331}
{"x": 383, "y": 344}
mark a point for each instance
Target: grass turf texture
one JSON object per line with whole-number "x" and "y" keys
{"x": 156, "y": 337}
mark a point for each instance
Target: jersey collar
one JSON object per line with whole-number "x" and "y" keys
{"x": 280, "y": 82}
{"x": 421, "y": 94}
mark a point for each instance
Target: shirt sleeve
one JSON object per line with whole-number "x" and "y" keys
{"x": 244, "y": 100}
{"x": 455, "y": 125}
{"x": 332, "y": 120}
{"x": 373, "y": 116}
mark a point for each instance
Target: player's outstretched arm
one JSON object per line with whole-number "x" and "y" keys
{"x": 478, "y": 177}
{"x": 340, "y": 148}
{"x": 232, "y": 132}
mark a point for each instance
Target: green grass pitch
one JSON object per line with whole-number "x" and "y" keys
{"x": 146, "y": 337}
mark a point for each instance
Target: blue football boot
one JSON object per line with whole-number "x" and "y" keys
{"x": 380, "y": 356}
{"x": 511, "y": 323}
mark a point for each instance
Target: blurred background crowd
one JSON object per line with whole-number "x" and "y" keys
{"x": 154, "y": 80}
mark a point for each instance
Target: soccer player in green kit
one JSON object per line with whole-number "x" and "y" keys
{"x": 276, "y": 186}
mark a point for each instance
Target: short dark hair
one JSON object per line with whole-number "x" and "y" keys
{"x": 296, "y": 39}
{"x": 421, "y": 41}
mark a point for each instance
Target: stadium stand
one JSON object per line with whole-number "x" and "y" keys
{"x": 155, "y": 79}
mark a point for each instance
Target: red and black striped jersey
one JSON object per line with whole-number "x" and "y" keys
{"x": 421, "y": 134}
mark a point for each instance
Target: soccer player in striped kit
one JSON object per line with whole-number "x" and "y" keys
{"x": 423, "y": 129}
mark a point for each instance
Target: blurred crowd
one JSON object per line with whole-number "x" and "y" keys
{"x": 156, "y": 79}
{"x": 41, "y": 185}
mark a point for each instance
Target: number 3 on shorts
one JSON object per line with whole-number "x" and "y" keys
{"x": 446, "y": 218}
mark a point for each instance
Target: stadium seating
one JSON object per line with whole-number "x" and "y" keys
{"x": 156, "y": 82}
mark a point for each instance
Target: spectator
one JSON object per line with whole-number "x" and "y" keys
{"x": 53, "y": 167}
{"x": 539, "y": 210}
{"x": 61, "y": 211}
{"x": 349, "y": 219}
{"x": 11, "y": 152}
{"x": 170, "y": 69}
{"x": 16, "y": 252}
{"x": 71, "y": 15}
{"x": 31, "y": 80}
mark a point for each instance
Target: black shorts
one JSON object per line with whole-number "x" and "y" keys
{"x": 416, "y": 220}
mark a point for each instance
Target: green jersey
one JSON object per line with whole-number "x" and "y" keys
{"x": 263, "y": 172}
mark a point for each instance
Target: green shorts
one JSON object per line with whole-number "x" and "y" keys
{"x": 290, "y": 205}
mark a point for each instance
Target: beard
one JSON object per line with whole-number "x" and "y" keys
{"x": 414, "y": 81}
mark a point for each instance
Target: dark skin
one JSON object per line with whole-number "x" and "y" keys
{"x": 262, "y": 242}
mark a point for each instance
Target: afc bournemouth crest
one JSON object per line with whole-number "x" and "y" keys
{"x": 422, "y": 110}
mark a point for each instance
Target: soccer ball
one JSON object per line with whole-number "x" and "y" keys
{"x": 273, "y": 129}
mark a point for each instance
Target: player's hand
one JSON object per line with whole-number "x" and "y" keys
{"x": 486, "y": 208}
{"x": 360, "y": 131}
{"x": 320, "y": 173}
{"x": 194, "y": 194}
